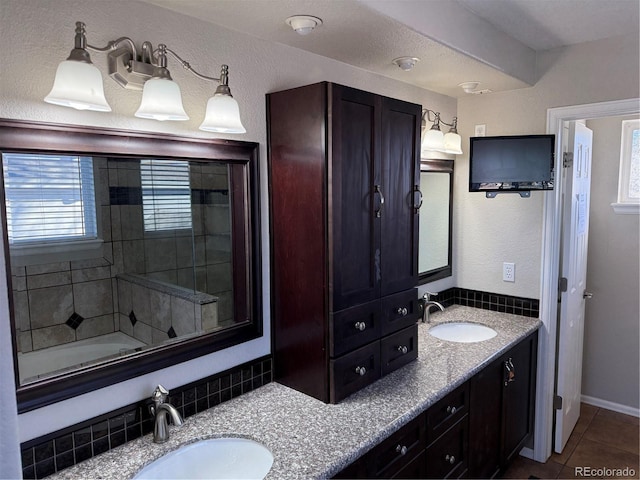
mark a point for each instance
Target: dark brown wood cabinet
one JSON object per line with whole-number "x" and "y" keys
{"x": 501, "y": 418}
{"x": 472, "y": 432}
{"x": 343, "y": 170}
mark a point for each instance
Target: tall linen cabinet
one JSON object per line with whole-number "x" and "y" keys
{"x": 344, "y": 198}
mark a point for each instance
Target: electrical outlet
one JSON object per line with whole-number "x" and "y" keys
{"x": 480, "y": 130}
{"x": 508, "y": 272}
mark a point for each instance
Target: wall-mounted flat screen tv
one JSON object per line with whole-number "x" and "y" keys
{"x": 516, "y": 163}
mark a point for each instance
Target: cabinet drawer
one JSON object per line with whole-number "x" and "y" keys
{"x": 447, "y": 457}
{"x": 354, "y": 327}
{"x": 399, "y": 349}
{"x": 399, "y": 311}
{"x": 392, "y": 455}
{"x": 447, "y": 411}
{"x": 353, "y": 371}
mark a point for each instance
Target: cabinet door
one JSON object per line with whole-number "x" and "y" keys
{"x": 447, "y": 456}
{"x": 519, "y": 376}
{"x": 355, "y": 197}
{"x": 400, "y": 176}
{"x": 485, "y": 421}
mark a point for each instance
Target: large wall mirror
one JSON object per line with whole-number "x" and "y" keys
{"x": 436, "y": 185}
{"x": 127, "y": 252}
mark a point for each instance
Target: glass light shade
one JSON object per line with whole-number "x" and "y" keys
{"x": 452, "y": 143}
{"x": 433, "y": 140}
{"x": 222, "y": 116}
{"x": 78, "y": 85}
{"x": 161, "y": 100}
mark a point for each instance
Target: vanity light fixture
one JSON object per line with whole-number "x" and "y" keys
{"x": 434, "y": 140}
{"x": 303, "y": 24}
{"x": 78, "y": 83}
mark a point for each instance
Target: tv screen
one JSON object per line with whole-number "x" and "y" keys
{"x": 515, "y": 163}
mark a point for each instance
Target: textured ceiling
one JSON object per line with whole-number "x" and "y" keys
{"x": 354, "y": 32}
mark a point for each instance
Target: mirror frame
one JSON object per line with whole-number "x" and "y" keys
{"x": 33, "y": 137}
{"x": 444, "y": 166}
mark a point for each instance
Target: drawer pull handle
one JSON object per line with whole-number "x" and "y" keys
{"x": 361, "y": 371}
{"x": 401, "y": 449}
{"x": 360, "y": 326}
{"x": 403, "y": 349}
{"x": 451, "y": 410}
{"x": 450, "y": 458}
{"x": 402, "y": 311}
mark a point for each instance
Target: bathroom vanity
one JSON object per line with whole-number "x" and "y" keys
{"x": 407, "y": 408}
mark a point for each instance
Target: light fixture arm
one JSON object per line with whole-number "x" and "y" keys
{"x": 437, "y": 120}
{"x": 187, "y": 66}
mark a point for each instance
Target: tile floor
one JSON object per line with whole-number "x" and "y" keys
{"x": 601, "y": 439}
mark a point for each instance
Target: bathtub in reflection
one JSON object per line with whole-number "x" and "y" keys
{"x": 52, "y": 361}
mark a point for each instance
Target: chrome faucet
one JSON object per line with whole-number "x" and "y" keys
{"x": 159, "y": 409}
{"x": 427, "y": 303}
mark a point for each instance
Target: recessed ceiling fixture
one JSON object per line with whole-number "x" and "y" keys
{"x": 406, "y": 63}
{"x": 303, "y": 24}
{"x": 470, "y": 87}
{"x": 78, "y": 83}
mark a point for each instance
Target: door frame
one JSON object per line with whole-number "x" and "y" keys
{"x": 550, "y": 268}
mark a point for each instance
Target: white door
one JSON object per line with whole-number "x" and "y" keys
{"x": 575, "y": 231}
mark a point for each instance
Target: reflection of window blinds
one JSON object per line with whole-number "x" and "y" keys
{"x": 166, "y": 195}
{"x": 49, "y": 198}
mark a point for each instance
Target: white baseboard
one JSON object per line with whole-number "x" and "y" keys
{"x": 616, "y": 407}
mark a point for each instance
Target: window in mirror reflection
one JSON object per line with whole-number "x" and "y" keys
{"x": 434, "y": 257}
{"x": 162, "y": 270}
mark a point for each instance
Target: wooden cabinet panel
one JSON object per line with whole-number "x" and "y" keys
{"x": 519, "y": 377}
{"x": 354, "y": 327}
{"x": 400, "y": 175}
{"x": 354, "y": 370}
{"x": 393, "y": 454}
{"x": 399, "y": 349}
{"x": 355, "y": 170}
{"x": 447, "y": 457}
{"x": 399, "y": 311}
{"x": 447, "y": 411}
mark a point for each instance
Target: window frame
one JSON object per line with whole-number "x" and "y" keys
{"x": 626, "y": 204}
{"x": 242, "y": 159}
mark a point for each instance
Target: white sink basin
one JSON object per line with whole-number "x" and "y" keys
{"x": 462, "y": 332}
{"x": 229, "y": 458}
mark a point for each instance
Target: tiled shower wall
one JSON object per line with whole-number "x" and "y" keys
{"x": 61, "y": 302}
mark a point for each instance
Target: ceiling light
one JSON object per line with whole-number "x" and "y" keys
{"x": 469, "y": 87}
{"x": 303, "y": 24}
{"x": 78, "y": 83}
{"x": 406, "y": 63}
{"x": 434, "y": 140}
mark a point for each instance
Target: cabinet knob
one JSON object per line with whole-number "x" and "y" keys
{"x": 402, "y": 311}
{"x": 451, "y": 410}
{"x": 401, "y": 449}
{"x": 360, "y": 326}
{"x": 450, "y": 458}
{"x": 361, "y": 371}
{"x": 403, "y": 349}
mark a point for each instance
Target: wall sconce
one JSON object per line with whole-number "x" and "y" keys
{"x": 434, "y": 140}
{"x": 78, "y": 83}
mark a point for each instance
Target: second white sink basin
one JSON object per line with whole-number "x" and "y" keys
{"x": 230, "y": 458}
{"x": 462, "y": 332}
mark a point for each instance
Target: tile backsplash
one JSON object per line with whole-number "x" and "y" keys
{"x": 59, "y": 450}
{"x": 527, "y": 307}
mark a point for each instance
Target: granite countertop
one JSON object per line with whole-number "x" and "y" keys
{"x": 310, "y": 439}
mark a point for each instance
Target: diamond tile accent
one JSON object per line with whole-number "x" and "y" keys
{"x": 132, "y": 317}
{"x": 74, "y": 320}
{"x": 172, "y": 333}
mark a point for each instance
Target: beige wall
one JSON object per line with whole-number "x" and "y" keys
{"x": 37, "y": 35}
{"x": 508, "y": 228}
{"x": 611, "y": 369}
